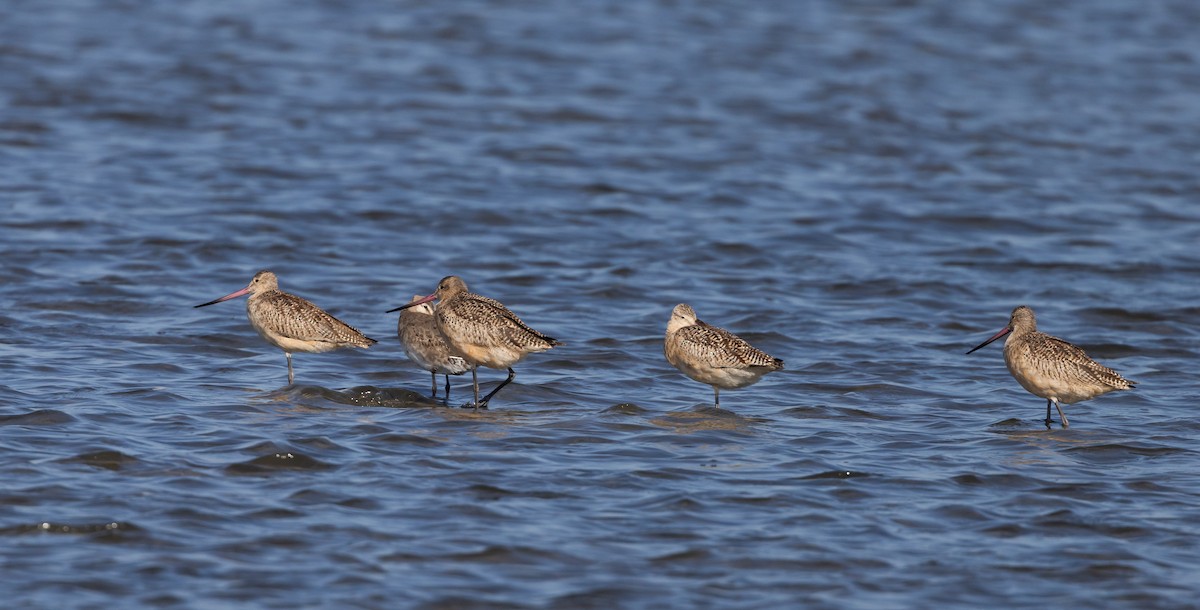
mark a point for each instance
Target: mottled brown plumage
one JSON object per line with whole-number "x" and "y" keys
{"x": 291, "y": 323}
{"x": 713, "y": 355}
{"x": 482, "y": 331}
{"x": 1051, "y": 368}
{"x": 426, "y": 346}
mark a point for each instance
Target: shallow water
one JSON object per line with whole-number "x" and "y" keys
{"x": 862, "y": 189}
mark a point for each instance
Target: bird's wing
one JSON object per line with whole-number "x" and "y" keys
{"x": 499, "y": 324}
{"x": 722, "y": 348}
{"x": 1073, "y": 361}
{"x": 299, "y": 319}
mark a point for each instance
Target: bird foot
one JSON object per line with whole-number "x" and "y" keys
{"x": 475, "y": 405}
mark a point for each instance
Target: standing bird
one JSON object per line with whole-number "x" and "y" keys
{"x": 426, "y": 346}
{"x": 1051, "y": 368}
{"x": 713, "y": 355}
{"x": 482, "y": 331}
{"x": 291, "y": 323}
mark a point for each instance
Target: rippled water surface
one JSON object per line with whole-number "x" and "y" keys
{"x": 864, "y": 189}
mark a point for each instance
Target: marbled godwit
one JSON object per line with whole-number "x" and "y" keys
{"x": 713, "y": 355}
{"x": 1051, "y": 368}
{"x": 482, "y": 331}
{"x": 291, "y": 323}
{"x": 426, "y": 346}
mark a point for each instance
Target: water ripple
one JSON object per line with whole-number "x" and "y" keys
{"x": 865, "y": 191}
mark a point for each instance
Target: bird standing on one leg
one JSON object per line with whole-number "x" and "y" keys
{"x": 1051, "y": 368}
{"x": 291, "y": 323}
{"x": 713, "y": 355}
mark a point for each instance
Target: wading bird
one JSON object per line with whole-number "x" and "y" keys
{"x": 426, "y": 346}
{"x": 1051, "y": 368}
{"x": 482, "y": 331}
{"x": 291, "y": 323}
{"x": 713, "y": 355}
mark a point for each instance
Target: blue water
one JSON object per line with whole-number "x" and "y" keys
{"x": 864, "y": 190}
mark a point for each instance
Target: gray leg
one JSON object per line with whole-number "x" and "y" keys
{"x": 1048, "y": 420}
{"x": 1062, "y": 415}
{"x": 475, "y": 383}
{"x": 717, "y": 396}
{"x": 291, "y": 375}
{"x": 447, "y": 387}
{"x": 434, "y": 375}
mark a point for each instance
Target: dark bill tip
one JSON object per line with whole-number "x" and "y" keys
{"x": 1002, "y": 332}
{"x": 232, "y": 295}
{"x": 414, "y": 303}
